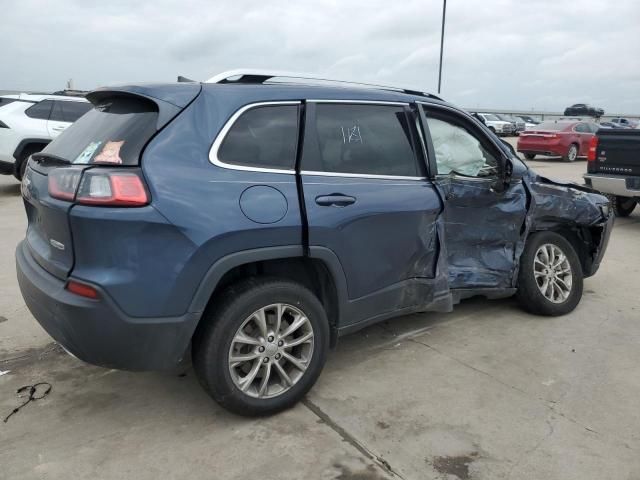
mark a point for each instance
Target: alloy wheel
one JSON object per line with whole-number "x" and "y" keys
{"x": 552, "y": 272}
{"x": 271, "y": 350}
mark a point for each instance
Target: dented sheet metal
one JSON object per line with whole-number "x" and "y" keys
{"x": 486, "y": 231}
{"x": 483, "y": 230}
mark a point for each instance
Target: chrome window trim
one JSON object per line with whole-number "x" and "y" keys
{"x": 360, "y": 102}
{"x": 213, "y": 152}
{"x": 360, "y": 175}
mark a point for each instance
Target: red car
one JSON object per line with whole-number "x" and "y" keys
{"x": 568, "y": 140}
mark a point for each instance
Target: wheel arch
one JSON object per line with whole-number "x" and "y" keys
{"x": 23, "y": 146}
{"x": 581, "y": 239}
{"x": 319, "y": 271}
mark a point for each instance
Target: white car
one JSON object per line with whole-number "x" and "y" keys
{"x": 497, "y": 126}
{"x": 29, "y": 122}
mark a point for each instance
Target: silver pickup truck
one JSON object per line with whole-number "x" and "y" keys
{"x": 614, "y": 168}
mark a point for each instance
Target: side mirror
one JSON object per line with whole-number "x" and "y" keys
{"x": 503, "y": 180}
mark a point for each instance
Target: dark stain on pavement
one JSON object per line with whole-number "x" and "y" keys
{"x": 3, "y": 319}
{"x": 382, "y": 425}
{"x": 457, "y": 466}
{"x": 369, "y": 473}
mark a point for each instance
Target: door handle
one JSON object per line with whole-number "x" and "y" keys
{"x": 335, "y": 200}
{"x": 58, "y": 129}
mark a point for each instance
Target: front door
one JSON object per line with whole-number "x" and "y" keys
{"x": 482, "y": 226}
{"x": 368, "y": 201}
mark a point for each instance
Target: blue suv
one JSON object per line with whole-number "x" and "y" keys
{"x": 248, "y": 222}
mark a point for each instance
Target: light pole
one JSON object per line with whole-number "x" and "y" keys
{"x": 444, "y": 12}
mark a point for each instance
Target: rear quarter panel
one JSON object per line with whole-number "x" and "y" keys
{"x": 201, "y": 200}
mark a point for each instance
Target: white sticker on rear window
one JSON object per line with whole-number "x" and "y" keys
{"x": 87, "y": 153}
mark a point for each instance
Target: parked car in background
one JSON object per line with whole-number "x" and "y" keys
{"x": 249, "y": 245}
{"x": 527, "y": 124}
{"x": 568, "y": 140}
{"x": 529, "y": 119}
{"x": 29, "y": 122}
{"x": 582, "y": 109}
{"x": 608, "y": 125}
{"x": 497, "y": 126}
{"x": 624, "y": 122}
{"x": 518, "y": 124}
{"x": 613, "y": 168}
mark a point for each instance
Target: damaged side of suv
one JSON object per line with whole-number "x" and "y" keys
{"x": 252, "y": 224}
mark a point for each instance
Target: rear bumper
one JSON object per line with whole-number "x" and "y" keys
{"x": 97, "y": 331}
{"x": 542, "y": 149}
{"x": 613, "y": 184}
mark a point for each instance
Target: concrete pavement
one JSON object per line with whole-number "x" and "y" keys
{"x": 485, "y": 392}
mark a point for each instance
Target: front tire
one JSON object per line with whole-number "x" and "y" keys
{"x": 262, "y": 347}
{"x": 550, "y": 277}
{"x": 529, "y": 156}
{"x": 572, "y": 153}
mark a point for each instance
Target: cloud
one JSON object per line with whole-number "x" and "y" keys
{"x": 498, "y": 53}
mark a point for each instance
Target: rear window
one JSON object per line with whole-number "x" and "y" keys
{"x": 553, "y": 126}
{"x": 114, "y": 132}
{"x": 67, "y": 111}
{"x": 263, "y": 137}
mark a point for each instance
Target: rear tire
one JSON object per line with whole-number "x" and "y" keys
{"x": 234, "y": 328}
{"x": 529, "y": 156}
{"x": 542, "y": 288}
{"x": 572, "y": 153}
{"x": 622, "y": 206}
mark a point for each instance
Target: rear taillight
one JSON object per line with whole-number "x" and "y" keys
{"x": 593, "y": 146}
{"x": 105, "y": 187}
{"x": 63, "y": 183}
{"x": 112, "y": 188}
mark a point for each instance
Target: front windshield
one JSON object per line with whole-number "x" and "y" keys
{"x": 490, "y": 116}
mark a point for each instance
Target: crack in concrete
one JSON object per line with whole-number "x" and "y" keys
{"x": 538, "y": 444}
{"x": 349, "y": 438}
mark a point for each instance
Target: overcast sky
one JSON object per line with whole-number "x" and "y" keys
{"x": 528, "y": 54}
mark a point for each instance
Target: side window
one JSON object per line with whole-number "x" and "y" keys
{"x": 40, "y": 110}
{"x": 69, "y": 111}
{"x": 582, "y": 128}
{"x": 459, "y": 151}
{"x": 362, "y": 139}
{"x": 263, "y": 137}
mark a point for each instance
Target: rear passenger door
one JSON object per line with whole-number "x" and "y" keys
{"x": 367, "y": 200}
{"x": 64, "y": 113}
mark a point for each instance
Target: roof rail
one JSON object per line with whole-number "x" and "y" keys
{"x": 264, "y": 76}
